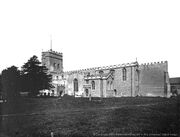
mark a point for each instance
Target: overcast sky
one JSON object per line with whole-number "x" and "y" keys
{"x": 91, "y": 33}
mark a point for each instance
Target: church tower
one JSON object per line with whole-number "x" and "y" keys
{"x": 53, "y": 61}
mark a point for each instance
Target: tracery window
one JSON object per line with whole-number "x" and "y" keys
{"x": 93, "y": 85}
{"x": 108, "y": 87}
{"x": 75, "y": 84}
{"x": 124, "y": 71}
{"x": 111, "y": 85}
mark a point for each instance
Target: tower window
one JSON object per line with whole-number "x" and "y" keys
{"x": 124, "y": 71}
{"x": 54, "y": 65}
{"x": 57, "y": 66}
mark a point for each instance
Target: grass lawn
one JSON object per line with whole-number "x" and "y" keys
{"x": 139, "y": 116}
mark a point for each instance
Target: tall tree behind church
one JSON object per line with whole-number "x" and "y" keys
{"x": 35, "y": 76}
{"x": 0, "y": 86}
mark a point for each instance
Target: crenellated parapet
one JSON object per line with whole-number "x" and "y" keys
{"x": 153, "y": 63}
{"x": 102, "y": 68}
{"x": 55, "y": 52}
{"x": 143, "y": 65}
{"x": 161, "y": 64}
{"x": 53, "y": 61}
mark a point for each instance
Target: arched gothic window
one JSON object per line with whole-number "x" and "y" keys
{"x": 108, "y": 85}
{"x": 75, "y": 84}
{"x": 111, "y": 85}
{"x": 57, "y": 66}
{"x": 93, "y": 85}
{"x": 54, "y": 65}
{"x": 124, "y": 74}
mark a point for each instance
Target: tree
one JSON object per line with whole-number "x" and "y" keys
{"x": 10, "y": 80}
{"x": 35, "y": 77}
{"x": 0, "y": 87}
{"x": 0, "y": 84}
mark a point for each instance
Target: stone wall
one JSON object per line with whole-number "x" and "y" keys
{"x": 69, "y": 89}
{"x": 127, "y": 87}
{"x": 153, "y": 79}
{"x": 145, "y": 79}
{"x": 123, "y": 88}
{"x": 96, "y": 92}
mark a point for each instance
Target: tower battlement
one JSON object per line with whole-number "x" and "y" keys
{"x": 153, "y": 63}
{"x": 52, "y": 51}
{"x": 161, "y": 64}
{"x": 53, "y": 61}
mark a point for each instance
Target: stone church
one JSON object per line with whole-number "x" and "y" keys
{"x": 130, "y": 79}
